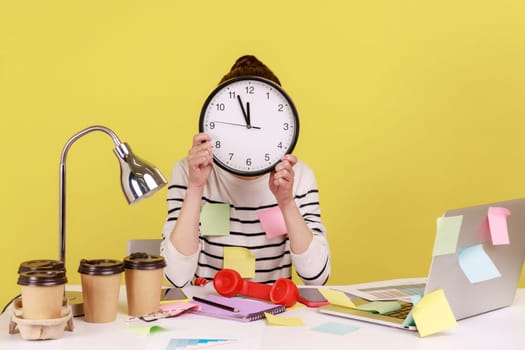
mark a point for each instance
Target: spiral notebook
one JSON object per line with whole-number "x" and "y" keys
{"x": 248, "y": 309}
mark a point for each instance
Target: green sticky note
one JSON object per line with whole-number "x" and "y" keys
{"x": 380, "y": 307}
{"x": 447, "y": 235}
{"x": 144, "y": 330}
{"x": 215, "y": 219}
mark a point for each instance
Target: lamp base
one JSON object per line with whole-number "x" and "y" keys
{"x": 76, "y": 301}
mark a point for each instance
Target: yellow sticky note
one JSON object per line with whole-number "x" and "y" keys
{"x": 432, "y": 313}
{"x": 283, "y": 321}
{"x": 336, "y": 297}
{"x": 241, "y": 260}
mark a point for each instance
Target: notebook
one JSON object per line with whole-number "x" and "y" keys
{"x": 466, "y": 298}
{"x": 248, "y": 309}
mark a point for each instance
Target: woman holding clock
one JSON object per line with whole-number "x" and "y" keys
{"x": 242, "y": 157}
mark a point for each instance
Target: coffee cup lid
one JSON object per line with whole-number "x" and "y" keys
{"x": 41, "y": 265}
{"x": 43, "y": 278}
{"x": 100, "y": 267}
{"x": 144, "y": 261}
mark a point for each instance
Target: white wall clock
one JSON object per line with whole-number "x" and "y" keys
{"x": 252, "y": 122}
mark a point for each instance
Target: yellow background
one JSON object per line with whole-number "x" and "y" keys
{"x": 408, "y": 108}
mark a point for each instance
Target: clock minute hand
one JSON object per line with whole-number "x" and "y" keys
{"x": 235, "y": 124}
{"x": 245, "y": 114}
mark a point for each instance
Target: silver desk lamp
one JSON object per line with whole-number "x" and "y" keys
{"x": 139, "y": 179}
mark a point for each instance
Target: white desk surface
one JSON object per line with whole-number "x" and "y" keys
{"x": 500, "y": 329}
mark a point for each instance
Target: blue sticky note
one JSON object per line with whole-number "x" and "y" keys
{"x": 335, "y": 328}
{"x": 409, "y": 320}
{"x": 477, "y": 265}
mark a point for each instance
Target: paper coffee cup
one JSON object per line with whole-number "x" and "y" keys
{"x": 143, "y": 282}
{"x": 42, "y": 294}
{"x": 100, "y": 280}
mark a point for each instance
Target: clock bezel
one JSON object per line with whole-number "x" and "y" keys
{"x": 288, "y": 100}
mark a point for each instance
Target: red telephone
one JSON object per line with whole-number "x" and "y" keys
{"x": 228, "y": 282}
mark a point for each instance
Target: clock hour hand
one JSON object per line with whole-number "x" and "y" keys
{"x": 245, "y": 113}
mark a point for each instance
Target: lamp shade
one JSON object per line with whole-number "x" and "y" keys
{"x": 139, "y": 179}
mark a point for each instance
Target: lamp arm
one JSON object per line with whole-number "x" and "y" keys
{"x": 62, "y": 182}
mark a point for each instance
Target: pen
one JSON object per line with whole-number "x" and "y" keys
{"x": 212, "y": 303}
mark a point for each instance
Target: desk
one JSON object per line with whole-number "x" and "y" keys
{"x": 500, "y": 329}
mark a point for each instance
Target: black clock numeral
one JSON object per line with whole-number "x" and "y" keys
{"x": 286, "y": 126}
{"x": 217, "y": 144}
{"x": 231, "y": 155}
{"x": 211, "y": 125}
{"x": 221, "y": 107}
{"x": 267, "y": 157}
{"x": 250, "y": 89}
{"x": 280, "y": 107}
{"x": 248, "y": 161}
{"x": 232, "y": 94}
{"x": 280, "y": 145}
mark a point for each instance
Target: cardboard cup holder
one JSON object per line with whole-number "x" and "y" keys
{"x": 40, "y": 329}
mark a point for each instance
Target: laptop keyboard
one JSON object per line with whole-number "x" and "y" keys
{"x": 401, "y": 313}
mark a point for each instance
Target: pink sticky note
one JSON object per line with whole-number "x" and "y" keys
{"x": 272, "y": 221}
{"x": 497, "y": 217}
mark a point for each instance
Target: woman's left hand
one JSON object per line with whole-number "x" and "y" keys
{"x": 282, "y": 179}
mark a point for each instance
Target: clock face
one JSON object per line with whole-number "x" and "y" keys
{"x": 252, "y": 122}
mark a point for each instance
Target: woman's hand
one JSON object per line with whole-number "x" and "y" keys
{"x": 200, "y": 158}
{"x": 282, "y": 180}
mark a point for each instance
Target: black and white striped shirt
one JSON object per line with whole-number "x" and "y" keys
{"x": 273, "y": 257}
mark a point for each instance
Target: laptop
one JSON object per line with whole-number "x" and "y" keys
{"x": 466, "y": 299}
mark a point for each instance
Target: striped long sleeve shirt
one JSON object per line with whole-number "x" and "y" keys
{"x": 246, "y": 197}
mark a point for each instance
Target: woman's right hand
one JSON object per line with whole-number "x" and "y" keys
{"x": 200, "y": 158}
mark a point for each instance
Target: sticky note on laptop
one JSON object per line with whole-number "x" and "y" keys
{"x": 447, "y": 234}
{"x": 477, "y": 265}
{"x": 497, "y": 217}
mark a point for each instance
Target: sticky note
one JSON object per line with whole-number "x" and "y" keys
{"x": 215, "y": 219}
{"x": 477, "y": 265}
{"x": 282, "y": 321}
{"x": 447, "y": 235}
{"x": 335, "y": 328}
{"x": 497, "y": 217}
{"x": 409, "y": 320}
{"x": 272, "y": 221}
{"x": 432, "y": 314}
{"x": 241, "y": 260}
{"x": 144, "y": 330}
{"x": 196, "y": 343}
{"x": 336, "y": 297}
{"x": 380, "y": 307}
